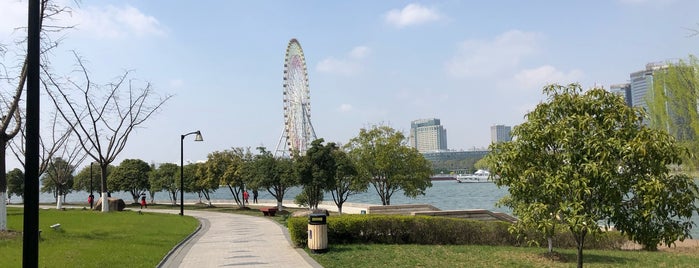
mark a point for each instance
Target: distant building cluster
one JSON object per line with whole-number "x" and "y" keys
{"x": 428, "y": 135}
{"x": 640, "y": 83}
{"x": 500, "y": 133}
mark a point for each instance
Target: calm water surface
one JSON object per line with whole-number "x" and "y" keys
{"x": 445, "y": 195}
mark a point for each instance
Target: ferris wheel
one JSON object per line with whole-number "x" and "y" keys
{"x": 298, "y": 131}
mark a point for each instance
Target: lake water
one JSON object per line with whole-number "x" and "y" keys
{"x": 445, "y": 195}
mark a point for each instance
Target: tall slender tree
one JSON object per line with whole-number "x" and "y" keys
{"x": 10, "y": 112}
{"x": 672, "y": 104}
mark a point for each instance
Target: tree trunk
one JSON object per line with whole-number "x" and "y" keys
{"x": 3, "y": 208}
{"x": 550, "y": 240}
{"x": 580, "y": 241}
{"x": 105, "y": 194}
{"x": 3, "y": 184}
{"x": 59, "y": 197}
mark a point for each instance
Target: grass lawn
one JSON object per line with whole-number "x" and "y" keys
{"x": 95, "y": 239}
{"x": 374, "y": 255}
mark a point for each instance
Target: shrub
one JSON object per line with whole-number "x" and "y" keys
{"x": 398, "y": 229}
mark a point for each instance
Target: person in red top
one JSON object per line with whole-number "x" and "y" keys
{"x": 245, "y": 196}
{"x": 143, "y": 201}
{"x": 90, "y": 199}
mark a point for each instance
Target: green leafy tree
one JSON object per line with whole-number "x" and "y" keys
{"x": 165, "y": 177}
{"x": 15, "y": 183}
{"x": 229, "y": 168}
{"x": 58, "y": 179}
{"x": 347, "y": 183}
{"x": 131, "y": 176}
{"x": 82, "y": 182}
{"x": 316, "y": 171}
{"x": 672, "y": 105}
{"x": 202, "y": 184}
{"x": 582, "y": 158}
{"x": 383, "y": 158}
{"x": 276, "y": 174}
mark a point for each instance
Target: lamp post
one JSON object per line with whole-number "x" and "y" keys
{"x": 91, "y": 196}
{"x": 196, "y": 138}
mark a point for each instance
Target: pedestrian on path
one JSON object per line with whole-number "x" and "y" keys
{"x": 254, "y": 196}
{"x": 143, "y": 201}
{"x": 91, "y": 199}
{"x": 245, "y": 197}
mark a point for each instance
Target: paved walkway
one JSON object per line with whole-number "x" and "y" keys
{"x": 234, "y": 240}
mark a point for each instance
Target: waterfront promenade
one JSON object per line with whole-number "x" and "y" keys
{"x": 226, "y": 239}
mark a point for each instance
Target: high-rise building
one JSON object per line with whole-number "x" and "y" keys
{"x": 642, "y": 84}
{"x": 500, "y": 133}
{"x": 427, "y": 135}
{"x": 623, "y": 90}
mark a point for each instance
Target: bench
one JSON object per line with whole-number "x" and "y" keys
{"x": 269, "y": 211}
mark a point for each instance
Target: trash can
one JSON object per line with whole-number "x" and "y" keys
{"x": 317, "y": 233}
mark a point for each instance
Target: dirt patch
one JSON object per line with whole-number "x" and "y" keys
{"x": 554, "y": 256}
{"x": 686, "y": 246}
{"x": 8, "y": 235}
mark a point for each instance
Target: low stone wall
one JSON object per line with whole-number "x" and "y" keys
{"x": 473, "y": 214}
{"x": 400, "y": 209}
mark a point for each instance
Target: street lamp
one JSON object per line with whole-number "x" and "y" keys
{"x": 196, "y": 138}
{"x": 92, "y": 197}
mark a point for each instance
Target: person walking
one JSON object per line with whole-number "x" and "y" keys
{"x": 143, "y": 201}
{"x": 245, "y": 197}
{"x": 254, "y": 196}
{"x": 91, "y": 200}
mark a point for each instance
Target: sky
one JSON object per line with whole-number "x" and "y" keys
{"x": 471, "y": 64}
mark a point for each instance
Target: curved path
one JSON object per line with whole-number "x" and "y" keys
{"x": 234, "y": 240}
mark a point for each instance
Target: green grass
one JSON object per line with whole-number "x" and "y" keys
{"x": 95, "y": 239}
{"x": 374, "y": 255}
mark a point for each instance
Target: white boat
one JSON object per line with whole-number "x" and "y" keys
{"x": 478, "y": 176}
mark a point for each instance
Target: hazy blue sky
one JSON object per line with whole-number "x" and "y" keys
{"x": 471, "y": 64}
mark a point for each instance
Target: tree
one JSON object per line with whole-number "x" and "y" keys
{"x": 672, "y": 104}
{"x": 15, "y": 183}
{"x": 104, "y": 116}
{"x": 10, "y": 113}
{"x": 275, "y": 174}
{"x": 383, "y": 158}
{"x": 582, "y": 158}
{"x": 83, "y": 182}
{"x": 347, "y": 182}
{"x": 202, "y": 184}
{"x": 229, "y": 167}
{"x": 165, "y": 177}
{"x": 58, "y": 179}
{"x": 131, "y": 176}
{"x": 316, "y": 171}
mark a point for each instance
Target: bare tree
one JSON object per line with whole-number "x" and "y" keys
{"x": 10, "y": 115}
{"x": 50, "y": 143}
{"x": 104, "y": 116}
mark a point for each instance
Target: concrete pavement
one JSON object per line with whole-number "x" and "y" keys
{"x": 226, "y": 239}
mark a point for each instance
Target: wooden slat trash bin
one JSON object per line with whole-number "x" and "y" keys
{"x": 317, "y": 233}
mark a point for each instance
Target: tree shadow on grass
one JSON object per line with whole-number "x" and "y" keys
{"x": 563, "y": 257}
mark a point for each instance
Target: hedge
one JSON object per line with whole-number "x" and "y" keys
{"x": 399, "y": 229}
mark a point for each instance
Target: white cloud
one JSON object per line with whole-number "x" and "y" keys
{"x": 547, "y": 74}
{"x": 411, "y": 14}
{"x": 360, "y": 52}
{"x": 345, "y": 107}
{"x": 491, "y": 57}
{"x": 115, "y": 22}
{"x": 349, "y": 65}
